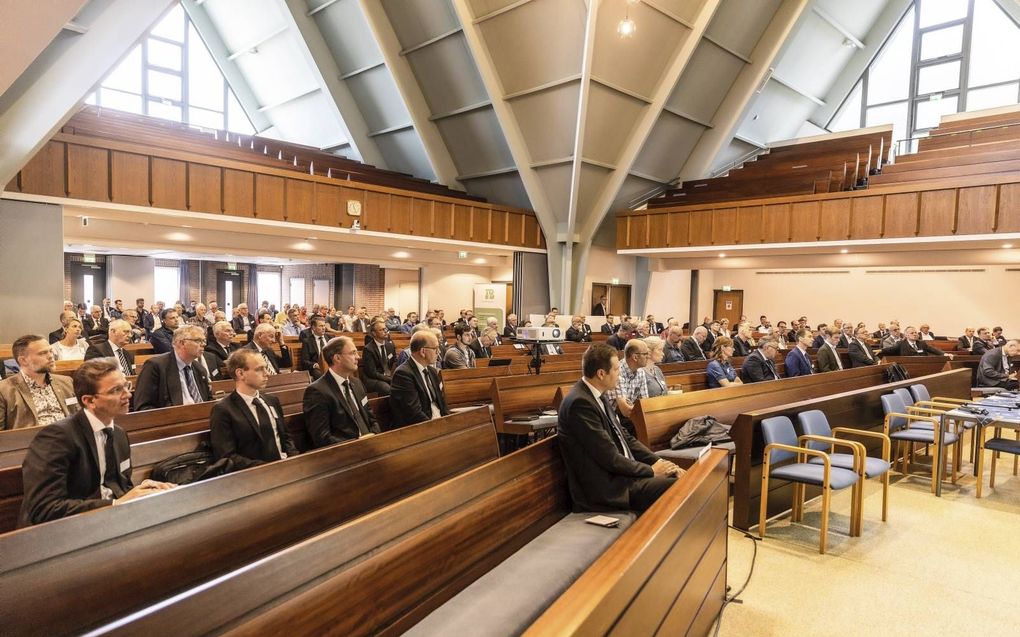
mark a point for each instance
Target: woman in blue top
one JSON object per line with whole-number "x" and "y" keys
{"x": 720, "y": 372}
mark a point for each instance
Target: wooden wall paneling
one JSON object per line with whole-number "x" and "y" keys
{"x": 750, "y": 225}
{"x": 14, "y": 185}
{"x": 724, "y": 226}
{"x": 442, "y": 219}
{"x": 480, "y": 219}
{"x": 129, "y": 178}
{"x": 976, "y": 210}
{"x": 679, "y": 229}
{"x": 700, "y": 233}
{"x": 327, "y": 205}
{"x": 238, "y": 193}
{"x": 515, "y": 229}
{"x": 1008, "y": 216}
{"x": 169, "y": 184}
{"x": 834, "y": 220}
{"x": 866, "y": 217}
{"x": 348, "y": 194}
{"x": 776, "y": 223}
{"x": 376, "y": 213}
{"x": 88, "y": 173}
{"x": 46, "y": 173}
{"x": 532, "y": 232}
{"x": 937, "y": 213}
{"x": 623, "y": 241}
{"x": 541, "y": 235}
{"x": 461, "y": 220}
{"x": 205, "y": 192}
{"x": 421, "y": 217}
{"x": 639, "y": 231}
{"x": 300, "y": 200}
{"x": 901, "y": 215}
{"x": 804, "y": 221}
{"x": 270, "y": 200}
{"x": 400, "y": 214}
{"x": 498, "y": 223}
{"x": 658, "y": 227}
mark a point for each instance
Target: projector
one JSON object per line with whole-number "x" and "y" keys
{"x": 541, "y": 334}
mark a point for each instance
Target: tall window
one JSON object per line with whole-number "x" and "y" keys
{"x": 297, "y": 291}
{"x": 167, "y": 284}
{"x": 945, "y": 56}
{"x": 269, "y": 288}
{"x": 172, "y": 75}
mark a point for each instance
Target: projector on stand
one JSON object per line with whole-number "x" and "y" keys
{"x": 539, "y": 334}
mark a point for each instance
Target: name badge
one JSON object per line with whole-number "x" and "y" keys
{"x": 364, "y": 400}
{"x": 124, "y": 466}
{"x": 71, "y": 401}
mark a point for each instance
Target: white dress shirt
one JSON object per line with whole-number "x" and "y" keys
{"x": 250, "y": 401}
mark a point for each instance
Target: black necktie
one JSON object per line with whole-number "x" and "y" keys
{"x": 358, "y": 420}
{"x": 614, "y": 428}
{"x": 322, "y": 343}
{"x": 111, "y": 476}
{"x": 189, "y": 375}
{"x": 430, "y": 388}
{"x": 123, "y": 362}
{"x": 266, "y": 429}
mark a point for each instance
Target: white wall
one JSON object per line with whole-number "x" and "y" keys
{"x": 604, "y": 265}
{"x": 669, "y": 294}
{"x": 129, "y": 278}
{"x": 32, "y": 266}
{"x": 394, "y": 277}
{"x": 451, "y": 287}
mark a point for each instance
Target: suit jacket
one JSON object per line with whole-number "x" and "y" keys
{"x": 480, "y": 352}
{"x": 655, "y": 328}
{"x": 105, "y": 350}
{"x": 578, "y": 336}
{"x": 17, "y": 409}
{"x": 709, "y": 342}
{"x": 61, "y": 470}
{"x": 146, "y": 321}
{"x": 758, "y": 368}
{"x": 95, "y": 328}
{"x": 310, "y": 352}
{"x": 844, "y": 341}
{"x": 598, "y": 473}
{"x": 509, "y": 332}
{"x": 981, "y": 346}
{"x": 162, "y": 340}
{"x": 359, "y": 325}
{"x": 692, "y": 350}
{"x": 616, "y": 342}
{"x": 283, "y": 360}
{"x": 741, "y": 347}
{"x": 328, "y": 415}
{"x": 797, "y": 363}
{"x": 672, "y": 354}
{"x": 991, "y": 370}
{"x": 964, "y": 344}
{"x": 598, "y": 310}
{"x": 238, "y": 323}
{"x": 880, "y": 334}
{"x": 819, "y": 342}
{"x": 859, "y": 354}
{"x": 903, "y": 348}
{"x": 409, "y": 399}
{"x": 827, "y": 359}
{"x": 219, "y": 354}
{"x": 159, "y": 383}
{"x": 606, "y": 329}
{"x": 235, "y": 433}
{"x": 55, "y": 335}
{"x": 373, "y": 366}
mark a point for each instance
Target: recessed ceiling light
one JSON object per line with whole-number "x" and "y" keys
{"x": 401, "y": 255}
{"x": 722, "y": 255}
{"x": 1007, "y": 245}
{"x": 179, "y": 236}
{"x": 479, "y": 261}
{"x": 843, "y": 251}
{"x": 303, "y": 245}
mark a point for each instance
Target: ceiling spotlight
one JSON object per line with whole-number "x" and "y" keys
{"x": 843, "y": 251}
{"x": 1007, "y": 245}
{"x": 479, "y": 261}
{"x": 722, "y": 255}
{"x": 626, "y": 28}
{"x": 178, "y": 236}
{"x": 402, "y": 255}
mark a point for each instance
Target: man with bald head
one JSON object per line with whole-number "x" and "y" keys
{"x": 416, "y": 394}
{"x": 994, "y": 370}
{"x": 57, "y": 334}
{"x": 113, "y": 347}
{"x": 693, "y": 344}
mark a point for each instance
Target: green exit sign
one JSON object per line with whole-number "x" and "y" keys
{"x": 727, "y": 288}
{"x": 616, "y": 281}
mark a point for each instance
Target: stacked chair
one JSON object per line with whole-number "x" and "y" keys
{"x": 907, "y": 426}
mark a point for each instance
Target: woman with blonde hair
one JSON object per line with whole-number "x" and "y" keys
{"x": 720, "y": 371}
{"x": 72, "y": 347}
{"x": 654, "y": 377}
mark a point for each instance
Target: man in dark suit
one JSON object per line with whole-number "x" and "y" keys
{"x": 758, "y": 365}
{"x": 83, "y": 462}
{"x": 627, "y": 331}
{"x": 119, "y": 335}
{"x": 966, "y": 342}
{"x": 313, "y": 340}
{"x": 377, "y": 360}
{"x": 177, "y": 377}
{"x": 162, "y": 339}
{"x": 247, "y": 425}
{"x": 601, "y": 308}
{"x": 609, "y": 326}
{"x": 983, "y": 342}
{"x": 912, "y": 345}
{"x": 146, "y": 322}
{"x": 880, "y": 333}
{"x": 94, "y": 323}
{"x": 994, "y": 369}
{"x": 693, "y": 347}
{"x": 510, "y": 331}
{"x": 672, "y": 352}
{"x": 576, "y": 333}
{"x": 336, "y": 406}
{"x": 797, "y": 361}
{"x": 58, "y": 333}
{"x": 607, "y": 468}
{"x": 846, "y": 336}
{"x": 222, "y": 345}
{"x": 243, "y": 322}
{"x": 860, "y": 352}
{"x": 827, "y": 357}
{"x": 360, "y": 323}
{"x": 416, "y": 394}
{"x": 266, "y": 335}
{"x": 654, "y": 327}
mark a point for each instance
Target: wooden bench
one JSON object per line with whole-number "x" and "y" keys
{"x": 149, "y": 549}
{"x": 844, "y": 406}
{"x": 515, "y": 396}
{"x": 384, "y": 572}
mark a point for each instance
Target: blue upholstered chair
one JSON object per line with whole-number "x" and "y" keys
{"x": 781, "y": 447}
{"x": 903, "y": 428}
{"x": 814, "y": 428}
{"x": 998, "y": 444}
{"x": 923, "y": 400}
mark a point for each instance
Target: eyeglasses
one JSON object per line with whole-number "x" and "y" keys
{"x": 117, "y": 390}
{"x": 200, "y": 341}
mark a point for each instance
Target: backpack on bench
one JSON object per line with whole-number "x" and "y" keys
{"x": 698, "y": 432}
{"x": 193, "y": 466}
{"x": 896, "y": 373}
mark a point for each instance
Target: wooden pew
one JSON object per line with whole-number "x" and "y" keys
{"x": 859, "y": 408}
{"x": 470, "y": 386}
{"x": 147, "y": 550}
{"x": 369, "y": 576}
{"x": 514, "y": 396}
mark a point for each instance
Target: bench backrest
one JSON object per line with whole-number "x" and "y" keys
{"x": 148, "y": 549}
{"x": 526, "y": 395}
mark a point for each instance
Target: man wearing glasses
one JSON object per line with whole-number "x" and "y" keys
{"x": 633, "y": 383}
{"x": 175, "y": 378}
{"x": 83, "y": 462}
{"x": 416, "y": 394}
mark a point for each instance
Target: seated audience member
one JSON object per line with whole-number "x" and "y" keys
{"x": 416, "y": 394}
{"x": 198, "y": 317}
{"x": 827, "y": 357}
{"x": 510, "y": 331}
{"x": 490, "y": 324}
{"x": 83, "y": 462}
{"x": 966, "y": 342}
{"x": 95, "y": 323}
{"x": 724, "y": 328}
{"x": 912, "y": 345}
{"x": 693, "y": 347}
{"x": 482, "y": 345}
{"x": 163, "y": 339}
{"x": 177, "y": 377}
{"x": 894, "y": 336}
{"x": 461, "y": 355}
{"x": 137, "y": 333}
{"x": 846, "y": 336}
{"x": 72, "y": 346}
{"x": 607, "y": 468}
{"x": 720, "y": 371}
{"x": 247, "y": 425}
{"x": 820, "y": 336}
{"x": 642, "y": 329}
{"x": 798, "y": 363}
{"x": 860, "y": 352}
{"x": 880, "y": 333}
{"x": 265, "y": 336}
{"x": 672, "y": 352}
{"x": 34, "y": 396}
{"x": 791, "y": 334}
{"x": 408, "y": 326}
{"x": 392, "y": 320}
{"x": 982, "y": 342}
{"x": 782, "y": 342}
{"x": 222, "y": 344}
{"x": 714, "y": 332}
{"x": 998, "y": 339}
{"x": 336, "y": 406}
{"x": 743, "y": 343}
{"x": 155, "y": 320}
{"x": 58, "y": 333}
{"x": 610, "y": 325}
{"x": 575, "y": 333}
{"x": 994, "y": 369}
{"x": 764, "y": 326}
{"x": 758, "y": 366}
{"x": 292, "y": 327}
{"x": 113, "y": 347}
{"x": 653, "y": 374}
{"x": 654, "y": 327}
{"x": 924, "y": 333}
{"x": 627, "y": 331}
{"x": 242, "y": 322}
{"x": 313, "y": 340}
{"x": 118, "y": 309}
{"x": 632, "y": 385}
{"x": 360, "y": 322}
{"x": 377, "y": 360}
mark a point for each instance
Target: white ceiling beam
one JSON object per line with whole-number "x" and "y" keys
{"x": 288, "y": 100}
{"x": 1012, "y": 9}
{"x": 356, "y": 72}
{"x": 426, "y": 43}
{"x": 26, "y": 31}
{"x": 407, "y": 85}
{"x": 570, "y": 79}
{"x": 498, "y": 12}
{"x": 796, "y": 89}
{"x": 253, "y": 46}
{"x": 646, "y": 122}
{"x": 837, "y": 25}
{"x": 587, "y": 58}
{"x": 623, "y": 91}
{"x": 477, "y": 106}
{"x": 488, "y": 173}
{"x": 392, "y": 129}
{"x": 322, "y": 64}
{"x": 76, "y": 27}
{"x": 686, "y": 116}
{"x": 74, "y": 69}
{"x": 743, "y": 91}
{"x": 669, "y": 14}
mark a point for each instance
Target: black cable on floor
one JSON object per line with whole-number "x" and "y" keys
{"x": 734, "y": 596}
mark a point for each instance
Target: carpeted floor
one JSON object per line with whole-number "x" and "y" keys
{"x": 939, "y": 566}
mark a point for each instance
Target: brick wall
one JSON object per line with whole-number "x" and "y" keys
{"x": 370, "y": 287}
{"x": 309, "y": 272}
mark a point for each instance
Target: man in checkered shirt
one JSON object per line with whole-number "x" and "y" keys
{"x": 633, "y": 384}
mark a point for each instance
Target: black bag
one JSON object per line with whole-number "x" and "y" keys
{"x": 698, "y": 432}
{"x": 896, "y": 373}
{"x": 193, "y": 466}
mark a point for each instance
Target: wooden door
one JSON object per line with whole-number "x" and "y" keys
{"x": 598, "y": 290}
{"x": 619, "y": 299}
{"x": 729, "y": 305}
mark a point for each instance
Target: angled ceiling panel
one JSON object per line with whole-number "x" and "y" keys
{"x": 294, "y": 125}
{"x": 593, "y": 180}
{"x": 634, "y": 188}
{"x": 272, "y": 72}
{"x": 611, "y": 119}
{"x": 556, "y": 183}
{"x": 668, "y": 146}
{"x": 548, "y": 128}
{"x": 704, "y": 83}
{"x": 447, "y": 75}
{"x": 344, "y": 28}
{"x": 378, "y": 99}
{"x": 506, "y": 189}
{"x": 731, "y": 153}
{"x": 244, "y": 22}
{"x": 738, "y": 24}
{"x": 686, "y": 10}
{"x": 476, "y": 142}
{"x": 776, "y": 115}
{"x": 417, "y": 21}
{"x": 815, "y": 56}
{"x": 403, "y": 152}
{"x": 480, "y": 8}
{"x": 856, "y": 17}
